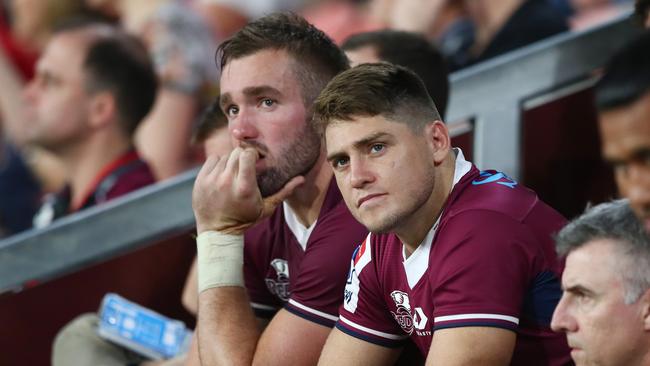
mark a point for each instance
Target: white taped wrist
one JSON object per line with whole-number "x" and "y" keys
{"x": 220, "y": 259}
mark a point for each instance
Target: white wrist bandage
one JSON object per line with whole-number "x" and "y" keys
{"x": 220, "y": 260}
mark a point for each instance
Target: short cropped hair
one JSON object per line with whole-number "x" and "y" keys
{"x": 627, "y": 76}
{"x": 317, "y": 59}
{"x": 413, "y": 51}
{"x": 614, "y": 221}
{"x": 368, "y": 90}
{"x": 211, "y": 120}
{"x": 117, "y": 62}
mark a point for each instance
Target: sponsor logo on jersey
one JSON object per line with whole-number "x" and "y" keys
{"x": 494, "y": 177}
{"x": 279, "y": 286}
{"x": 407, "y": 319}
{"x": 360, "y": 258}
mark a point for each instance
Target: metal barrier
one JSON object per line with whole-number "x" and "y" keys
{"x": 97, "y": 234}
{"x": 491, "y": 95}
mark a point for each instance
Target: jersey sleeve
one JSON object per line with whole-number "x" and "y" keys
{"x": 318, "y": 291}
{"x": 264, "y": 304}
{"x": 363, "y": 314}
{"x": 482, "y": 268}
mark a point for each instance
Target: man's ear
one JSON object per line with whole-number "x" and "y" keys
{"x": 644, "y": 303}
{"x": 102, "y": 110}
{"x": 437, "y": 136}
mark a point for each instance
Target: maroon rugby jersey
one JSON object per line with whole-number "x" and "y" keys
{"x": 308, "y": 278}
{"x": 488, "y": 261}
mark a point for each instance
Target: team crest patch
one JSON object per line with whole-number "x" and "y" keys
{"x": 405, "y": 317}
{"x": 279, "y": 286}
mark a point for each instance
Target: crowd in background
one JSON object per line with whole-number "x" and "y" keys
{"x": 99, "y": 98}
{"x": 181, "y": 37}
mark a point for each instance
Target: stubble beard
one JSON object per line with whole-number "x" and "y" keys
{"x": 391, "y": 221}
{"x": 297, "y": 159}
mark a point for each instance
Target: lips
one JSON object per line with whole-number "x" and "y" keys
{"x": 369, "y": 197}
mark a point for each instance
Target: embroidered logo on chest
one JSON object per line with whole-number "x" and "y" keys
{"x": 405, "y": 317}
{"x": 279, "y": 286}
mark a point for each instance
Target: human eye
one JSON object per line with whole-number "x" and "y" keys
{"x": 340, "y": 162}
{"x": 231, "y": 111}
{"x": 267, "y": 102}
{"x": 377, "y": 148}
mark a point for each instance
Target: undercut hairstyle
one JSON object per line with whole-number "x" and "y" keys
{"x": 411, "y": 50}
{"x": 119, "y": 63}
{"x": 617, "y": 222}
{"x": 394, "y": 92}
{"x": 627, "y": 77}
{"x": 211, "y": 120}
{"x": 316, "y": 58}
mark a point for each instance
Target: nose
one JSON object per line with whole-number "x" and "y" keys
{"x": 360, "y": 173}
{"x": 562, "y": 320}
{"x": 243, "y": 127}
{"x": 29, "y": 91}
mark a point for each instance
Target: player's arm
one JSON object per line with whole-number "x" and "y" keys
{"x": 342, "y": 349}
{"x": 227, "y": 331}
{"x": 290, "y": 340}
{"x": 461, "y": 346}
{"x": 227, "y": 201}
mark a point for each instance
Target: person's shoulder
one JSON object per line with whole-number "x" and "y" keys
{"x": 129, "y": 177}
{"x": 492, "y": 193}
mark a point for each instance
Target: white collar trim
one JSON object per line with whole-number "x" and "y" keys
{"x": 299, "y": 230}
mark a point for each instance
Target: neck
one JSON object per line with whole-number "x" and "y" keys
{"x": 490, "y": 18}
{"x": 414, "y": 229}
{"x": 85, "y": 162}
{"x": 307, "y": 200}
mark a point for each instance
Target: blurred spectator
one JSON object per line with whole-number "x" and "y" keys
{"x": 505, "y": 25}
{"x": 623, "y": 102}
{"x": 605, "y": 306}
{"x": 93, "y": 86}
{"x": 228, "y": 16}
{"x": 471, "y": 31}
{"x": 25, "y": 27}
{"x": 211, "y": 133}
{"x": 641, "y": 11}
{"x": 340, "y": 19}
{"x": 406, "y": 49}
{"x": 182, "y": 47}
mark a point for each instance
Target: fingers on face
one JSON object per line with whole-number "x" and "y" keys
{"x": 209, "y": 165}
{"x": 246, "y": 170}
{"x": 233, "y": 162}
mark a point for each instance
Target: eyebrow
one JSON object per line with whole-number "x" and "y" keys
{"x": 358, "y": 144}
{"x": 636, "y": 155}
{"x": 251, "y": 91}
{"x": 577, "y": 289}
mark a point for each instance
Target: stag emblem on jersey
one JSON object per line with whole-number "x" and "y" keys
{"x": 279, "y": 286}
{"x": 403, "y": 312}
